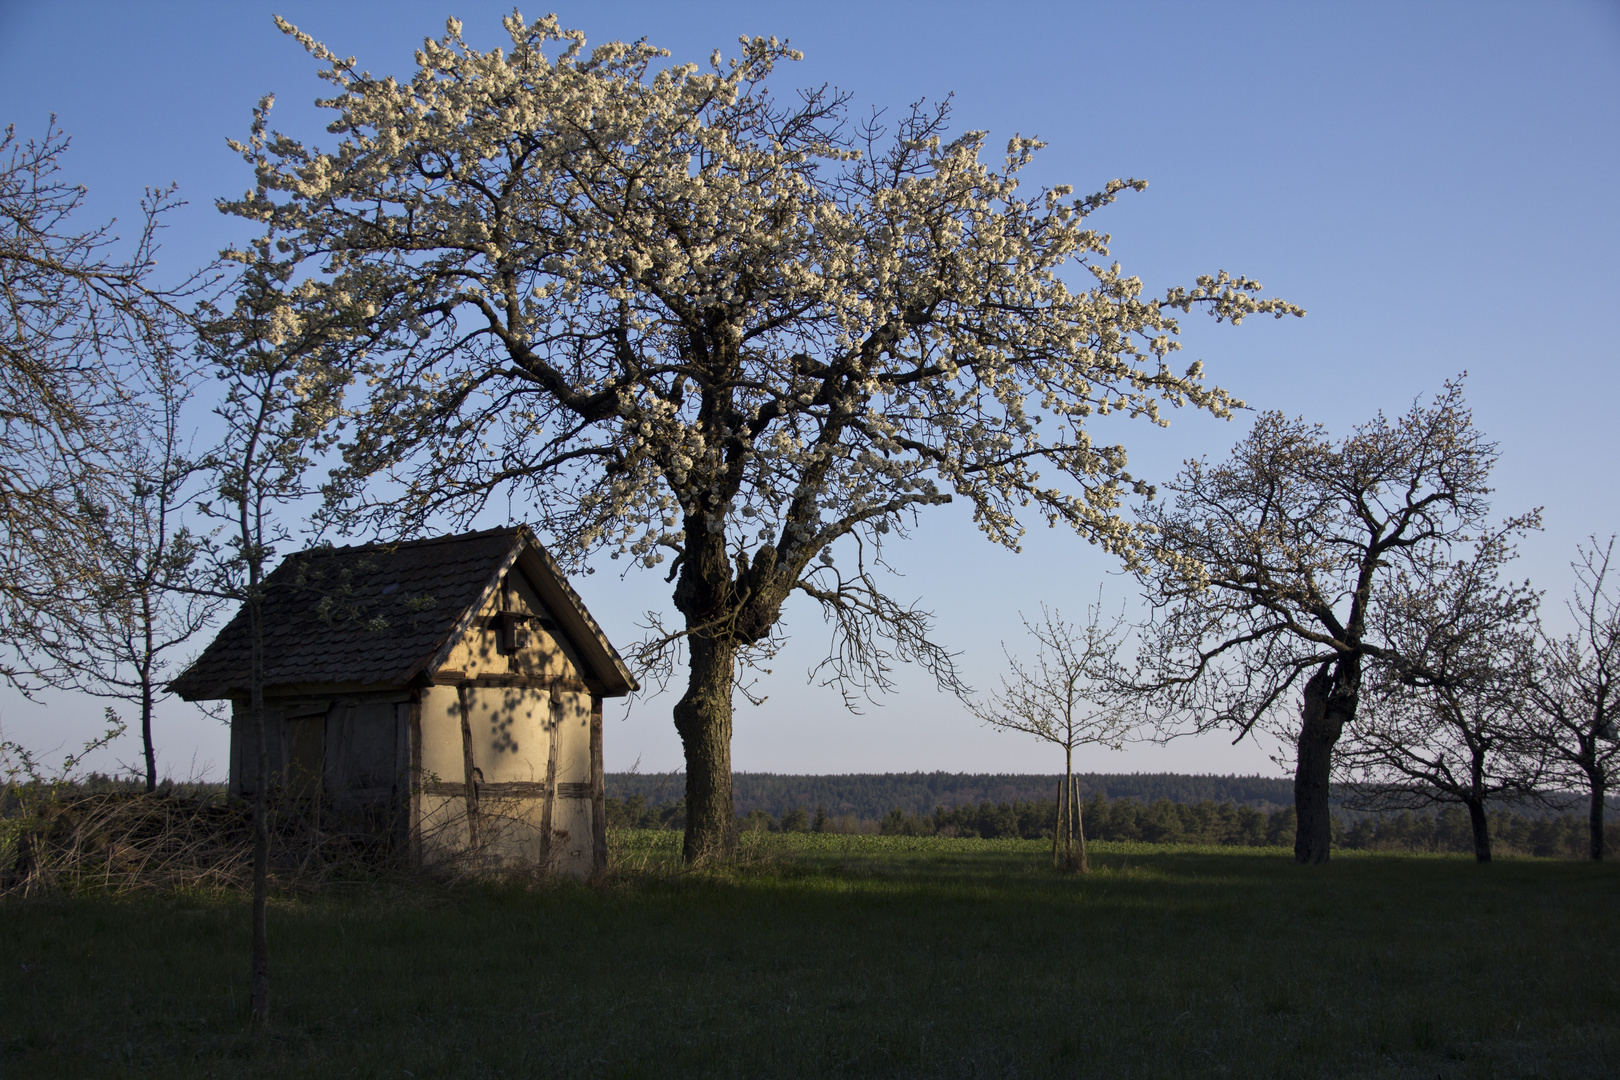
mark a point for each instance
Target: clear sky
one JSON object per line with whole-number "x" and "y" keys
{"x": 1435, "y": 183}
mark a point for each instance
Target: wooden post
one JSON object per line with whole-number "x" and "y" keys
{"x": 549, "y": 806}
{"x": 413, "y": 838}
{"x": 599, "y": 854}
{"x": 1080, "y": 828}
{"x": 1057, "y": 823}
{"x": 468, "y": 767}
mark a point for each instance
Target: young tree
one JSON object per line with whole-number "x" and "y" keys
{"x": 75, "y": 323}
{"x": 1441, "y": 721}
{"x": 1574, "y": 689}
{"x": 680, "y": 318}
{"x": 279, "y": 409}
{"x": 146, "y": 602}
{"x": 1068, "y": 696}
{"x": 1269, "y": 573}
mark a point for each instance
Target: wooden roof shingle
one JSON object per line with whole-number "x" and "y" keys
{"x": 382, "y": 613}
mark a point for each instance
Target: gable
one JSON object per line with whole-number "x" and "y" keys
{"x": 513, "y": 632}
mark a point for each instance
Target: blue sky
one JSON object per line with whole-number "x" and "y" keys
{"x": 1435, "y": 183}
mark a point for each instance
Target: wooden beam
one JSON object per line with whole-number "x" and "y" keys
{"x": 548, "y": 809}
{"x": 414, "y": 841}
{"x": 468, "y": 768}
{"x": 511, "y": 682}
{"x": 488, "y": 790}
{"x": 599, "y": 850}
{"x": 399, "y": 812}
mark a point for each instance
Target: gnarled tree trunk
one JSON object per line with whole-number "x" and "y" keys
{"x": 1482, "y": 830}
{"x": 727, "y": 607}
{"x": 705, "y": 594}
{"x": 1330, "y": 704}
{"x": 703, "y": 718}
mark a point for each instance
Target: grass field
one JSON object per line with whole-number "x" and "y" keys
{"x": 850, "y": 956}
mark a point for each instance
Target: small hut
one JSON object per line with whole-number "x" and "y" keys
{"x": 442, "y": 697}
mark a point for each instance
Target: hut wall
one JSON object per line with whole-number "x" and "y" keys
{"x": 509, "y": 739}
{"x": 442, "y": 824}
{"x": 244, "y": 749}
{"x": 366, "y": 769}
{"x": 342, "y": 760}
{"x": 571, "y": 816}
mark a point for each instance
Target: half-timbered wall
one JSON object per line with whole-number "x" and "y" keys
{"x": 514, "y": 723}
{"x": 528, "y": 752}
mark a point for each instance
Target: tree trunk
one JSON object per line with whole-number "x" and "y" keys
{"x": 1066, "y": 854}
{"x": 703, "y": 718}
{"x": 1482, "y": 830}
{"x": 1079, "y": 822}
{"x": 1057, "y": 823}
{"x": 1330, "y": 703}
{"x": 259, "y": 963}
{"x": 1474, "y": 798}
{"x": 1594, "y": 818}
{"x": 147, "y": 693}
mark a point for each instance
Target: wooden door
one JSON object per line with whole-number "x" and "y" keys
{"x": 306, "y": 755}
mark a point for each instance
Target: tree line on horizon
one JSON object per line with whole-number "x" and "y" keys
{"x": 869, "y": 795}
{"x": 1161, "y": 821}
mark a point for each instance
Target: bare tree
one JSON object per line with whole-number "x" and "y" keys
{"x": 1069, "y": 696}
{"x": 1574, "y": 688}
{"x": 1269, "y": 571}
{"x": 1441, "y": 721}
{"x": 75, "y": 325}
{"x": 681, "y": 319}
{"x": 146, "y": 603}
{"x": 280, "y": 405}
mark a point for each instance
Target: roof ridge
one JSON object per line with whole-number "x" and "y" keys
{"x": 421, "y": 542}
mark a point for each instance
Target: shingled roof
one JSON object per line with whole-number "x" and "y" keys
{"x": 384, "y": 613}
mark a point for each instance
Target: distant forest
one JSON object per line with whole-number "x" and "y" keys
{"x": 870, "y": 796}
{"x": 1150, "y": 807}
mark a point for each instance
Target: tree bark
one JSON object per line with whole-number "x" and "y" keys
{"x": 1330, "y": 703}
{"x": 1057, "y": 822}
{"x": 1482, "y": 830}
{"x": 703, "y": 719}
{"x": 147, "y": 693}
{"x": 1594, "y": 818}
{"x": 1079, "y": 822}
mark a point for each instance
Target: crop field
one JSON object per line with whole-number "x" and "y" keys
{"x": 830, "y": 955}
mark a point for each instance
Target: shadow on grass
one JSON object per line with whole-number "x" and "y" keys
{"x": 865, "y": 956}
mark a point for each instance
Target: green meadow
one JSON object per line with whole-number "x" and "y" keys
{"x": 833, "y": 955}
